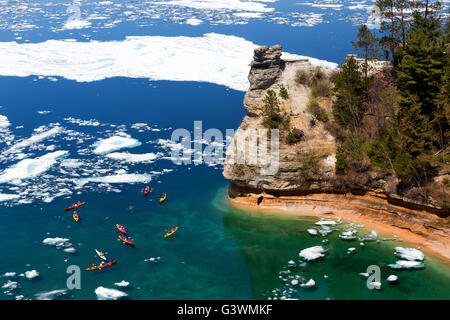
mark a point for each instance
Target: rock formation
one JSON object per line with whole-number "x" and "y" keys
{"x": 306, "y": 178}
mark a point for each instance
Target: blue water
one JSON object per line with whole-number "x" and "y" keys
{"x": 219, "y": 252}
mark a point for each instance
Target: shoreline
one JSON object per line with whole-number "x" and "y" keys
{"x": 440, "y": 247}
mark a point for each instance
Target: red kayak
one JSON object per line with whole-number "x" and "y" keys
{"x": 101, "y": 265}
{"x": 121, "y": 229}
{"x": 75, "y": 206}
{"x": 126, "y": 240}
{"x": 147, "y": 190}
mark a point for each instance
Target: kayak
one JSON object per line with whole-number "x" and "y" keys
{"x": 126, "y": 240}
{"x": 163, "y": 198}
{"x": 75, "y": 206}
{"x": 101, "y": 265}
{"x": 147, "y": 190}
{"x": 100, "y": 254}
{"x": 171, "y": 232}
{"x": 75, "y": 216}
{"x": 121, "y": 229}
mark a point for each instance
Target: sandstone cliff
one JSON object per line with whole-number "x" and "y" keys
{"x": 306, "y": 178}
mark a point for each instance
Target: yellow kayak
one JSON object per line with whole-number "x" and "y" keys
{"x": 163, "y": 198}
{"x": 75, "y": 217}
{"x": 171, "y": 232}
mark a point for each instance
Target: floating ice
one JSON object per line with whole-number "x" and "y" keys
{"x": 376, "y": 285}
{"x": 351, "y": 250}
{"x": 70, "y": 250}
{"x": 370, "y": 237}
{"x": 56, "y": 242}
{"x": 312, "y": 253}
{"x": 326, "y": 222}
{"x": 348, "y": 235}
{"x": 36, "y": 138}
{"x": 410, "y": 254}
{"x": 4, "y": 122}
{"x": 214, "y": 58}
{"x": 50, "y": 295}
{"x": 294, "y": 282}
{"x": 122, "y": 283}
{"x": 364, "y": 274}
{"x": 392, "y": 278}
{"x": 130, "y": 157}
{"x": 8, "y": 274}
{"x": 309, "y": 284}
{"x": 407, "y": 264}
{"x": 194, "y": 21}
{"x": 30, "y": 168}
{"x": 109, "y": 294}
{"x": 118, "y": 178}
{"x": 221, "y": 5}
{"x": 7, "y": 197}
{"x": 115, "y": 143}
{"x": 10, "y": 286}
{"x": 312, "y": 232}
{"x": 31, "y": 274}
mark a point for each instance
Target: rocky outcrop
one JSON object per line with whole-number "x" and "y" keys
{"x": 306, "y": 178}
{"x": 268, "y": 71}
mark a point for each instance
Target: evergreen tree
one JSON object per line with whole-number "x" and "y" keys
{"x": 349, "y": 90}
{"x": 422, "y": 115}
{"x": 368, "y": 44}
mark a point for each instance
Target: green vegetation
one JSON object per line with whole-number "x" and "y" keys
{"x": 271, "y": 110}
{"x": 283, "y": 92}
{"x": 315, "y": 109}
{"x": 349, "y": 91}
{"x": 309, "y": 168}
{"x": 397, "y": 122}
{"x": 294, "y": 136}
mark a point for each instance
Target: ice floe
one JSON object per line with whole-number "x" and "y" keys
{"x": 114, "y": 143}
{"x": 133, "y": 157}
{"x": 348, "y": 235}
{"x": 30, "y": 168}
{"x": 410, "y": 254}
{"x": 4, "y": 122}
{"x": 238, "y": 5}
{"x": 312, "y": 232}
{"x": 118, "y": 178}
{"x": 407, "y": 264}
{"x": 50, "y": 295}
{"x": 122, "y": 283}
{"x": 309, "y": 284}
{"x": 56, "y": 242}
{"x": 8, "y": 197}
{"x": 392, "y": 278}
{"x": 36, "y": 138}
{"x": 312, "y": 253}
{"x": 109, "y": 294}
{"x": 214, "y": 58}
{"x": 32, "y": 274}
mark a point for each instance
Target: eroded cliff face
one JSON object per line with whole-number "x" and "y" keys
{"x": 269, "y": 71}
{"x": 306, "y": 178}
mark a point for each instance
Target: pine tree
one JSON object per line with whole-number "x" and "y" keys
{"x": 422, "y": 113}
{"x": 368, "y": 44}
{"x": 349, "y": 90}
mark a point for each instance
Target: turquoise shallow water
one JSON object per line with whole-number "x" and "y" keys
{"x": 218, "y": 253}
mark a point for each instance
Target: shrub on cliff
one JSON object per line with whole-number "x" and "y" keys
{"x": 314, "y": 108}
{"x": 283, "y": 92}
{"x": 294, "y": 136}
{"x": 309, "y": 168}
{"x": 271, "y": 110}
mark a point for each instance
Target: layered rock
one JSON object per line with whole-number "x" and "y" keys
{"x": 306, "y": 179}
